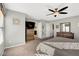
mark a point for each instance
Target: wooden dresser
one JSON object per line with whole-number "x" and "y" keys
{"x": 65, "y": 34}
{"x": 30, "y": 34}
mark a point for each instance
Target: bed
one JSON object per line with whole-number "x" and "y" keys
{"x": 62, "y": 41}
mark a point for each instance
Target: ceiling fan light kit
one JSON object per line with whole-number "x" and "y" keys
{"x": 56, "y": 14}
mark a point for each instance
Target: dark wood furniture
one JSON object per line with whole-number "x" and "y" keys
{"x": 65, "y": 34}
{"x": 30, "y": 34}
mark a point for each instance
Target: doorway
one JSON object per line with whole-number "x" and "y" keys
{"x": 29, "y": 31}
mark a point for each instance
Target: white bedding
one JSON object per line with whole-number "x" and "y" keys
{"x": 49, "y": 46}
{"x": 63, "y": 43}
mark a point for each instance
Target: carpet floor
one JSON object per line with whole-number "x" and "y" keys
{"x": 29, "y": 49}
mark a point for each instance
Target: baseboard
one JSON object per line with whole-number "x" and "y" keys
{"x": 15, "y": 45}
{"x": 48, "y": 37}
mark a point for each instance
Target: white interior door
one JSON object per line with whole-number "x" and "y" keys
{"x": 39, "y": 30}
{"x": 48, "y": 30}
{"x": 43, "y": 30}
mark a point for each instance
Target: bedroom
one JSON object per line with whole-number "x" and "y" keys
{"x": 47, "y": 26}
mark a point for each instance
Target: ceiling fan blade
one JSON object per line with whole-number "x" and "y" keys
{"x": 63, "y": 8}
{"x": 51, "y": 10}
{"x": 63, "y": 13}
{"x": 50, "y": 14}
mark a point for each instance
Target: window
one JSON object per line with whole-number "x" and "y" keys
{"x": 65, "y": 27}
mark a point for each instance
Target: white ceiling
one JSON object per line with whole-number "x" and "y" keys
{"x": 40, "y": 10}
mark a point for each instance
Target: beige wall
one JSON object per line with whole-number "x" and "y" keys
{"x": 74, "y": 25}
{"x": 14, "y": 34}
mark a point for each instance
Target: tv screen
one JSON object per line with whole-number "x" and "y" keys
{"x": 30, "y": 25}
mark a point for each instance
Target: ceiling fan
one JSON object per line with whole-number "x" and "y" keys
{"x": 56, "y": 12}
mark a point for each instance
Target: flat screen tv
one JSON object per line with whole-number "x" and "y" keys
{"x": 30, "y": 25}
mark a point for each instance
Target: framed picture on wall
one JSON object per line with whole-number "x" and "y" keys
{"x": 16, "y": 21}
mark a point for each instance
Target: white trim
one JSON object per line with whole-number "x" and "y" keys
{"x": 16, "y": 45}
